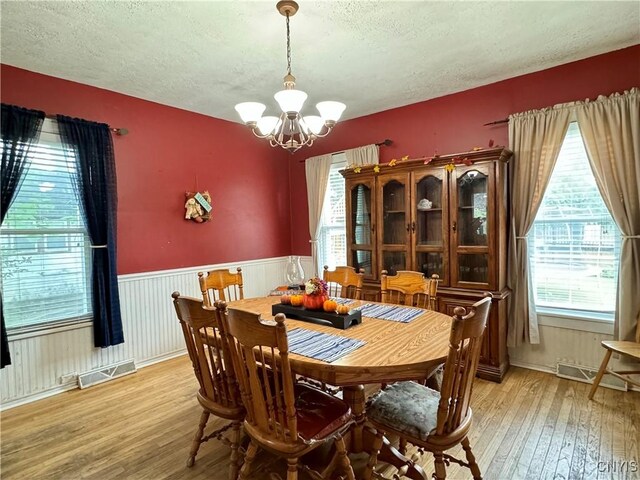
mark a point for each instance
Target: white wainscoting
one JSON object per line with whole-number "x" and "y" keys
{"x": 569, "y": 341}
{"x": 47, "y": 363}
{"x": 575, "y": 347}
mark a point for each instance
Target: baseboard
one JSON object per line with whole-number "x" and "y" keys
{"x": 74, "y": 385}
{"x": 545, "y": 369}
{"x": 532, "y": 366}
{"x": 492, "y": 373}
{"x": 162, "y": 358}
{"x": 50, "y": 392}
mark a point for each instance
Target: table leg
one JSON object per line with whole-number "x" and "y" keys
{"x": 354, "y": 396}
{"x": 389, "y": 454}
{"x": 361, "y": 439}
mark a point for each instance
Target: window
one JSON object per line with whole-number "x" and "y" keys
{"x": 332, "y": 244}
{"x": 45, "y": 267}
{"x": 574, "y": 244}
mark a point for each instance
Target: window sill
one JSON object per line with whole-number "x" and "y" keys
{"x": 572, "y": 320}
{"x": 20, "y": 333}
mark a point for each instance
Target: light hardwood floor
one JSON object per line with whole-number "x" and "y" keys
{"x": 533, "y": 425}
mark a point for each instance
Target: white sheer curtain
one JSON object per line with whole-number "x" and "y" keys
{"x": 610, "y": 128}
{"x": 366, "y": 155}
{"x": 535, "y": 137}
{"x": 317, "y": 173}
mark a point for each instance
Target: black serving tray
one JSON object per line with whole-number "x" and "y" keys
{"x": 319, "y": 316}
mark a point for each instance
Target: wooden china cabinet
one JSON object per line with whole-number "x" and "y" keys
{"x": 450, "y": 221}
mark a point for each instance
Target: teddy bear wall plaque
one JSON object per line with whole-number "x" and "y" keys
{"x": 198, "y": 206}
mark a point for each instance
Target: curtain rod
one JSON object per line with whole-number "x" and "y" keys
{"x": 385, "y": 143}
{"x": 117, "y": 131}
{"x": 497, "y": 122}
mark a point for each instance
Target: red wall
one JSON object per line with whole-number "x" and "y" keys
{"x": 167, "y": 152}
{"x": 454, "y": 123}
{"x": 255, "y": 188}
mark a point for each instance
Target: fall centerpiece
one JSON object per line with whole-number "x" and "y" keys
{"x": 315, "y": 293}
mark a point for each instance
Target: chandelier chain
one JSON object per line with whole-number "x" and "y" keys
{"x": 288, "y": 48}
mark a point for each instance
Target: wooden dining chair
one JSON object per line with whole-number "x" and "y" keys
{"x": 626, "y": 348}
{"x": 285, "y": 418}
{"x": 436, "y": 421}
{"x": 344, "y": 282}
{"x": 221, "y": 285}
{"x": 409, "y": 288}
{"x": 210, "y": 357}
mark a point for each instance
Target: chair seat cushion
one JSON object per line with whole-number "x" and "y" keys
{"x": 407, "y": 408}
{"x": 319, "y": 414}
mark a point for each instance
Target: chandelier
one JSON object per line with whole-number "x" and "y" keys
{"x": 290, "y": 130}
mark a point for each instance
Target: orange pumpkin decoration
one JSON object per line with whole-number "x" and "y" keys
{"x": 330, "y": 305}
{"x": 296, "y": 300}
{"x": 313, "y": 302}
{"x": 342, "y": 309}
{"x": 285, "y": 299}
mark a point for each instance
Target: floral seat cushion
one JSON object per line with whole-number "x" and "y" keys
{"x": 406, "y": 407}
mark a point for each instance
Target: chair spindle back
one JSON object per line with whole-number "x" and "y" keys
{"x": 221, "y": 285}
{"x": 410, "y": 288}
{"x": 208, "y": 350}
{"x": 465, "y": 342}
{"x": 344, "y": 282}
{"x": 259, "y": 350}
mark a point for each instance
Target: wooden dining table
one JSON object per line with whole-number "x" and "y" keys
{"x": 393, "y": 352}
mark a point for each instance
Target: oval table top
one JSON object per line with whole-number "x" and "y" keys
{"x": 394, "y": 351}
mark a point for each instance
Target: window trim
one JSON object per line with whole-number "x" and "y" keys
{"x": 48, "y": 328}
{"x": 571, "y": 320}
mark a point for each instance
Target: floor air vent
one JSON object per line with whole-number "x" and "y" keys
{"x": 586, "y": 375}
{"x": 106, "y": 373}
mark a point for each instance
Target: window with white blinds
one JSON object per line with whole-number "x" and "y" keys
{"x": 332, "y": 244}
{"x": 45, "y": 267}
{"x": 574, "y": 244}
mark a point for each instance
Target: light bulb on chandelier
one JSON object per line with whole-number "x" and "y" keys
{"x": 290, "y": 130}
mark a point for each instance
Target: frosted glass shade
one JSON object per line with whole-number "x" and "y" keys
{"x": 267, "y": 125}
{"x": 250, "y": 111}
{"x": 313, "y": 123}
{"x": 290, "y": 100}
{"x": 330, "y": 111}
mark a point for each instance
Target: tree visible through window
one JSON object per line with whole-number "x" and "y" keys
{"x": 574, "y": 244}
{"x": 45, "y": 267}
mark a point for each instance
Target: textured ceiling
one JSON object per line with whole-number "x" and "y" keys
{"x": 208, "y": 56}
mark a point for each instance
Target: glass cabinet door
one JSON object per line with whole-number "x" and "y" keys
{"x": 471, "y": 224}
{"x": 430, "y": 223}
{"x": 394, "y": 224}
{"x": 360, "y": 226}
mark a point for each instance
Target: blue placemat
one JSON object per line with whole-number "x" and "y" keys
{"x": 342, "y": 301}
{"x": 321, "y": 346}
{"x": 390, "y": 312}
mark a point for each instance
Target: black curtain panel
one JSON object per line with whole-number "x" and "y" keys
{"x": 20, "y": 128}
{"x": 95, "y": 182}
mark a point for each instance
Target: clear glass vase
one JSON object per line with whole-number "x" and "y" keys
{"x": 294, "y": 275}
